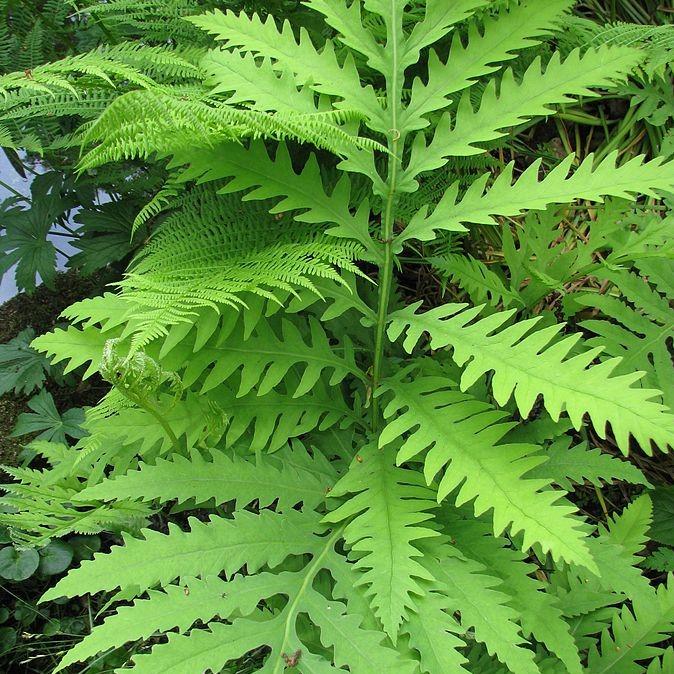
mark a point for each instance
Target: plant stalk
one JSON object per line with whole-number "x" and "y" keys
{"x": 385, "y": 276}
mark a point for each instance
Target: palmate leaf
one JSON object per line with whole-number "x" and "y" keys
{"x": 529, "y": 363}
{"x": 106, "y": 235}
{"x": 387, "y": 513}
{"x": 461, "y": 436}
{"x": 25, "y": 241}
{"x": 22, "y": 369}
{"x": 47, "y": 422}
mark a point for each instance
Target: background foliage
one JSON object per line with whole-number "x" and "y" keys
{"x": 465, "y": 486}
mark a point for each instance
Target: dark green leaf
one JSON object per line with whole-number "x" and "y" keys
{"x": 7, "y": 639}
{"x": 55, "y": 558}
{"x": 84, "y": 547}
{"x": 46, "y": 420}
{"x": 18, "y": 564}
{"x": 22, "y": 369}
{"x": 662, "y": 529}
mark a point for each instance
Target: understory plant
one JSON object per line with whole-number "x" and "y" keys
{"x": 365, "y": 482}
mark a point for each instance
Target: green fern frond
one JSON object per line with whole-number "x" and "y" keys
{"x": 640, "y": 336}
{"x": 264, "y": 359}
{"x": 460, "y": 437}
{"x": 207, "y": 549}
{"x": 566, "y": 464}
{"x": 386, "y": 517}
{"x": 495, "y": 40}
{"x": 78, "y": 347}
{"x": 529, "y": 363}
{"x": 505, "y": 198}
{"x": 515, "y": 102}
{"x": 539, "y": 612}
{"x": 466, "y": 587}
{"x": 289, "y": 476}
{"x": 477, "y": 279}
{"x": 213, "y": 252}
{"x": 272, "y": 420}
{"x": 635, "y": 634}
{"x": 143, "y": 122}
{"x": 321, "y": 69}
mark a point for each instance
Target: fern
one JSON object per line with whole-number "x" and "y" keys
{"x": 361, "y": 497}
{"x": 486, "y": 345}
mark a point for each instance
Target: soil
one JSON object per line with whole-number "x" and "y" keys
{"x": 40, "y": 310}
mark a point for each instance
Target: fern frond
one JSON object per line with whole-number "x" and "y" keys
{"x": 483, "y": 607}
{"x": 489, "y": 43}
{"x": 565, "y": 464}
{"x": 212, "y": 251}
{"x": 144, "y": 122}
{"x": 225, "y": 545}
{"x": 505, "y": 198}
{"x": 78, "y": 347}
{"x": 191, "y": 420}
{"x": 432, "y": 633}
{"x": 264, "y": 359}
{"x": 529, "y": 363}
{"x": 639, "y": 336}
{"x": 387, "y": 513}
{"x": 461, "y": 436}
{"x": 616, "y": 548}
{"x": 275, "y": 418}
{"x": 635, "y": 633}
{"x": 207, "y": 549}
{"x": 291, "y": 476}
{"x": 516, "y": 102}
{"x": 321, "y": 69}
{"x": 250, "y": 81}
{"x": 539, "y": 612}
{"x": 477, "y": 279}
{"x": 177, "y": 606}
{"x": 262, "y": 177}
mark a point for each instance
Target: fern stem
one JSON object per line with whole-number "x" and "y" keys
{"x": 385, "y": 283}
{"x": 291, "y": 609}
{"x": 396, "y": 140}
{"x": 150, "y": 409}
